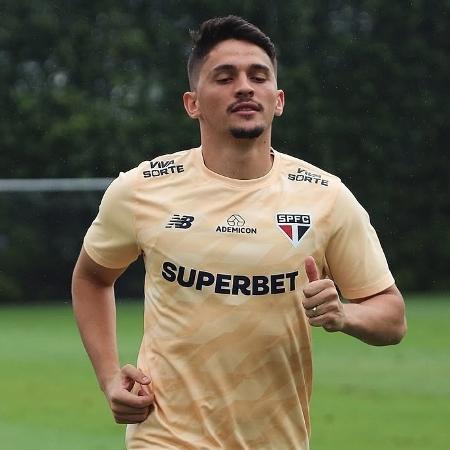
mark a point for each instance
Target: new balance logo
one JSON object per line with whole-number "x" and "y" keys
{"x": 178, "y": 221}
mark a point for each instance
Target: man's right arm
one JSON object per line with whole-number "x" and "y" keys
{"x": 95, "y": 313}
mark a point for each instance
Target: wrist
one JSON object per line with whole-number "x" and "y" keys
{"x": 105, "y": 379}
{"x": 349, "y": 323}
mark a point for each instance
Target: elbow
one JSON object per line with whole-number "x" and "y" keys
{"x": 400, "y": 332}
{"x": 397, "y": 334}
{"x": 391, "y": 334}
{"x": 399, "y": 325}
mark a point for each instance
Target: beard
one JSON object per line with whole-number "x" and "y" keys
{"x": 247, "y": 133}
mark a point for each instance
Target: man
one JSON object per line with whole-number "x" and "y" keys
{"x": 244, "y": 249}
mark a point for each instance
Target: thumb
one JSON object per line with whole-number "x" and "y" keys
{"x": 311, "y": 269}
{"x": 135, "y": 374}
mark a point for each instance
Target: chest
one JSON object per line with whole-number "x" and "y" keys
{"x": 260, "y": 231}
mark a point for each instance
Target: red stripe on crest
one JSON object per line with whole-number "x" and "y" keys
{"x": 287, "y": 229}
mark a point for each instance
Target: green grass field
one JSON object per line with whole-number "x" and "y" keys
{"x": 369, "y": 398}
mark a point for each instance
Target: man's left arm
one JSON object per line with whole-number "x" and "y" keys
{"x": 377, "y": 320}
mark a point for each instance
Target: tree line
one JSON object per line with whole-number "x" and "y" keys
{"x": 91, "y": 88}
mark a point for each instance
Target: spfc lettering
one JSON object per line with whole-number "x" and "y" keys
{"x": 294, "y": 226}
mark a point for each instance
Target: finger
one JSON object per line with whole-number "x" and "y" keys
{"x": 318, "y": 306}
{"x": 124, "y": 409}
{"x": 145, "y": 390}
{"x": 313, "y": 312}
{"x": 326, "y": 321}
{"x": 311, "y": 269}
{"x": 135, "y": 374}
{"x": 318, "y": 292}
{"x": 131, "y": 418}
{"x": 132, "y": 400}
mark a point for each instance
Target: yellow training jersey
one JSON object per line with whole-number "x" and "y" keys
{"x": 226, "y": 340}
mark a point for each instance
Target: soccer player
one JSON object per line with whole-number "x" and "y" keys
{"x": 245, "y": 248}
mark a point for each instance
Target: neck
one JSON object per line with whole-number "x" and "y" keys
{"x": 242, "y": 159}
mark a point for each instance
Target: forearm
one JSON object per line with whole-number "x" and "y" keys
{"x": 95, "y": 313}
{"x": 378, "y": 320}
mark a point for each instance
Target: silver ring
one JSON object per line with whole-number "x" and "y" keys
{"x": 314, "y": 310}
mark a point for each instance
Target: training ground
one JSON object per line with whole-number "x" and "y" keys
{"x": 371, "y": 398}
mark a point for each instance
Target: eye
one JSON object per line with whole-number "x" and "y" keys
{"x": 223, "y": 80}
{"x": 259, "y": 78}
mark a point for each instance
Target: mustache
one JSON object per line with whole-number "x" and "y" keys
{"x": 238, "y": 103}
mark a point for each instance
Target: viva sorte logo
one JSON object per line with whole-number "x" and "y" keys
{"x": 308, "y": 177}
{"x": 235, "y": 224}
{"x": 160, "y": 168}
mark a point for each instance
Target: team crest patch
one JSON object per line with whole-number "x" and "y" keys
{"x": 294, "y": 226}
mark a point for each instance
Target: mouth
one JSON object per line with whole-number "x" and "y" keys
{"x": 244, "y": 107}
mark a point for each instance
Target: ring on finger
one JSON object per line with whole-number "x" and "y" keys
{"x": 314, "y": 310}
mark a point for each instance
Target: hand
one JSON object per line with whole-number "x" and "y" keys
{"x": 322, "y": 304}
{"x": 127, "y": 404}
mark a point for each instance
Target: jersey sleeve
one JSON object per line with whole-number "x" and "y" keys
{"x": 111, "y": 240}
{"x": 355, "y": 259}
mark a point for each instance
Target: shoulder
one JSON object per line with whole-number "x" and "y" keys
{"x": 177, "y": 160}
{"x": 304, "y": 172}
{"x": 160, "y": 168}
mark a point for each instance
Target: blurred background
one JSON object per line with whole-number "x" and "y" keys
{"x": 91, "y": 88}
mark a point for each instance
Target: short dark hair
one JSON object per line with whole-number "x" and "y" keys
{"x": 218, "y": 29}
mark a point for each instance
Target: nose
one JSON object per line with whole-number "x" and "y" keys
{"x": 244, "y": 88}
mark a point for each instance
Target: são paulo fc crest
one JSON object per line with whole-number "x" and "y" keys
{"x": 294, "y": 226}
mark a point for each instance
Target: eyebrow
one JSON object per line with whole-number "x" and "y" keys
{"x": 231, "y": 67}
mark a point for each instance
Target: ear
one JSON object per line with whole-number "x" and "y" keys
{"x": 191, "y": 104}
{"x": 280, "y": 103}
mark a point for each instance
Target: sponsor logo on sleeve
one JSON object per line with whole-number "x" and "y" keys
{"x": 294, "y": 226}
{"x": 161, "y": 168}
{"x": 308, "y": 177}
